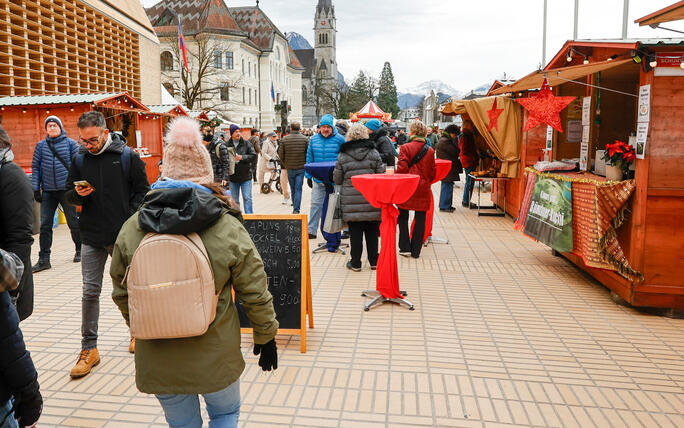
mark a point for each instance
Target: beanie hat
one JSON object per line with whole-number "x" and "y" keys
{"x": 54, "y": 119}
{"x": 185, "y": 157}
{"x": 327, "y": 120}
{"x": 233, "y": 128}
{"x": 374, "y": 125}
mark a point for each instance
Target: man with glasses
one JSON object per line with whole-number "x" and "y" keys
{"x": 108, "y": 180}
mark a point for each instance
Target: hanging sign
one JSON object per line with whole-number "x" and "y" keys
{"x": 644, "y": 104}
{"x": 641, "y": 139}
{"x": 586, "y": 134}
{"x": 584, "y": 156}
{"x": 549, "y": 138}
{"x": 586, "y": 111}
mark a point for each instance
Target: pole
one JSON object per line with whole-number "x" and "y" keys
{"x": 574, "y": 32}
{"x": 625, "y": 18}
{"x": 544, "y": 36}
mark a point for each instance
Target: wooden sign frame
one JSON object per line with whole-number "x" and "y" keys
{"x": 306, "y": 303}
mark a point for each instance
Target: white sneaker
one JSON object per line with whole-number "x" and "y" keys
{"x": 285, "y": 201}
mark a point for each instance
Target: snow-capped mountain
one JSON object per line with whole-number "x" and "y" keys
{"x": 436, "y": 85}
{"x": 297, "y": 41}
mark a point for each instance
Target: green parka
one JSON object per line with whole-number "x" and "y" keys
{"x": 213, "y": 361}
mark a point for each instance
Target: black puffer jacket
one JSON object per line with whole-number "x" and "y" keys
{"x": 383, "y": 145}
{"x": 115, "y": 197}
{"x": 16, "y": 227}
{"x": 17, "y": 373}
{"x": 243, "y": 168}
{"x": 221, "y": 165}
{"x": 355, "y": 158}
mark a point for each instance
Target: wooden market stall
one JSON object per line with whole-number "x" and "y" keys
{"x": 23, "y": 118}
{"x": 370, "y": 111}
{"x": 644, "y": 263}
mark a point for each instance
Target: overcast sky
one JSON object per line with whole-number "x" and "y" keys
{"x": 463, "y": 43}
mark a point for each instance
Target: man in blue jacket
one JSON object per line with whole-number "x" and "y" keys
{"x": 323, "y": 147}
{"x": 51, "y": 162}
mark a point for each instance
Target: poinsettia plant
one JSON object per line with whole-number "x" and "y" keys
{"x": 619, "y": 154}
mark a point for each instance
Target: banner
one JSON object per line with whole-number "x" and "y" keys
{"x": 549, "y": 218}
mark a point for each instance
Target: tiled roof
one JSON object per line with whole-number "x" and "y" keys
{"x": 294, "y": 61}
{"x": 195, "y": 15}
{"x": 306, "y": 58}
{"x": 260, "y": 28}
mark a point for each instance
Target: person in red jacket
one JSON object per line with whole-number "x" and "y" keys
{"x": 469, "y": 159}
{"x": 415, "y": 157}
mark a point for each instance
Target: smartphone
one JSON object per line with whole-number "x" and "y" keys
{"x": 83, "y": 183}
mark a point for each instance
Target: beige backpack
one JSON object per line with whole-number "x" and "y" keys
{"x": 171, "y": 291}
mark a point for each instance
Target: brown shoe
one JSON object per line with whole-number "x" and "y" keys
{"x": 131, "y": 346}
{"x": 87, "y": 359}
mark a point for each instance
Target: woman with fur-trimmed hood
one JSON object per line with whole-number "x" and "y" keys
{"x": 359, "y": 156}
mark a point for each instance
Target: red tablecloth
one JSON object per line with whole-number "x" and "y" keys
{"x": 442, "y": 168}
{"x": 383, "y": 191}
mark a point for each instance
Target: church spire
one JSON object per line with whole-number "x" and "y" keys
{"x": 325, "y": 5}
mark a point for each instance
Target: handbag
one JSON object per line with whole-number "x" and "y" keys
{"x": 333, "y": 217}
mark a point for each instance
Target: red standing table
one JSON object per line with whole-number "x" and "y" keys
{"x": 442, "y": 167}
{"x": 383, "y": 191}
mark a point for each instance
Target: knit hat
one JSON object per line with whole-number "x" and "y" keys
{"x": 233, "y": 128}
{"x": 327, "y": 120}
{"x": 54, "y": 119}
{"x": 185, "y": 157}
{"x": 374, "y": 125}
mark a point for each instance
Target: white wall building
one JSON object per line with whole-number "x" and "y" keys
{"x": 250, "y": 66}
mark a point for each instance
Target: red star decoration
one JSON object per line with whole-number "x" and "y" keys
{"x": 545, "y": 108}
{"x": 494, "y": 114}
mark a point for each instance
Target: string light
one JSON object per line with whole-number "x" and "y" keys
{"x": 681, "y": 64}
{"x": 586, "y": 60}
{"x": 568, "y": 58}
{"x": 23, "y": 111}
{"x": 612, "y": 57}
{"x": 654, "y": 61}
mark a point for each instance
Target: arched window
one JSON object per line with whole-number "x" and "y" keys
{"x": 166, "y": 61}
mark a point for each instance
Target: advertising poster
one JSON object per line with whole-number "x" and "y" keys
{"x": 549, "y": 219}
{"x": 641, "y": 138}
{"x": 574, "y": 134}
{"x": 644, "y": 104}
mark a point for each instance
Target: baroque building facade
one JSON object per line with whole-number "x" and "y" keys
{"x": 242, "y": 62}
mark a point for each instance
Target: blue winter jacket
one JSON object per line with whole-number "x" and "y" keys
{"x": 17, "y": 373}
{"x": 324, "y": 149}
{"x": 48, "y": 172}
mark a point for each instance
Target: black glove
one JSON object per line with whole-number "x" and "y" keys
{"x": 269, "y": 355}
{"x": 37, "y": 196}
{"x": 309, "y": 182}
{"x": 27, "y": 407}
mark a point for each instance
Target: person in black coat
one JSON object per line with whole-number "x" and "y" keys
{"x": 447, "y": 148}
{"x": 117, "y": 184}
{"x": 241, "y": 180}
{"x": 16, "y": 221}
{"x": 383, "y": 144}
{"x": 18, "y": 377}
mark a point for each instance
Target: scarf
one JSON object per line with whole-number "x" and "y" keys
{"x": 6, "y": 155}
{"x": 417, "y": 138}
{"x": 105, "y": 147}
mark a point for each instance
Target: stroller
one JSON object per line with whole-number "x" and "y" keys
{"x": 274, "y": 178}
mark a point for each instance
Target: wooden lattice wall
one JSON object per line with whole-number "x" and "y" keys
{"x": 65, "y": 47}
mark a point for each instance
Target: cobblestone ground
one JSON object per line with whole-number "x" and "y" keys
{"x": 503, "y": 334}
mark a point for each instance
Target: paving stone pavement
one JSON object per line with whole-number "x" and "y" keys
{"x": 504, "y": 334}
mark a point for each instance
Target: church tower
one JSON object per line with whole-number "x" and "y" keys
{"x": 325, "y": 35}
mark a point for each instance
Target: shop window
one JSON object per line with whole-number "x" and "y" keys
{"x": 229, "y": 60}
{"x": 218, "y": 63}
{"x": 166, "y": 61}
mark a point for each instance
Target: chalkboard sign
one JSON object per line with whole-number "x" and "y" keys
{"x": 283, "y": 243}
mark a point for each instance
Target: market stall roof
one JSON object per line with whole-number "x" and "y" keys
{"x": 558, "y": 76}
{"x": 370, "y": 110}
{"x": 170, "y": 109}
{"x": 670, "y": 13}
{"x": 98, "y": 99}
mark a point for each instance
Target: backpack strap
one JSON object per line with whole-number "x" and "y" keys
{"x": 126, "y": 160}
{"x": 78, "y": 160}
{"x": 421, "y": 154}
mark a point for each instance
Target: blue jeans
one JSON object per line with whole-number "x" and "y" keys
{"x": 446, "y": 195}
{"x": 6, "y": 416}
{"x": 223, "y": 408}
{"x": 469, "y": 185}
{"x": 47, "y": 215}
{"x": 317, "y": 198}
{"x": 246, "y": 188}
{"x": 296, "y": 179}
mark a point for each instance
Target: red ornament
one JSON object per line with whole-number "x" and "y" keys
{"x": 545, "y": 108}
{"x": 494, "y": 114}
